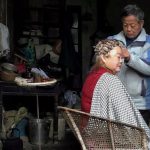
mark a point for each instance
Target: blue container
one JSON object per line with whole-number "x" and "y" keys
{"x": 21, "y": 126}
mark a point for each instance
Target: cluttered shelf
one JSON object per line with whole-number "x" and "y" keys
{"x": 39, "y": 16}
{"x": 12, "y": 89}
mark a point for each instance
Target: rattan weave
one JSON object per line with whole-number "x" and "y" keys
{"x": 96, "y": 133}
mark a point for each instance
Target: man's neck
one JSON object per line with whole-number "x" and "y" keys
{"x": 130, "y": 40}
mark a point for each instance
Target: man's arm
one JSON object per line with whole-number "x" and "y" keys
{"x": 141, "y": 65}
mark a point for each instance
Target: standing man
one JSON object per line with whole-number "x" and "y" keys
{"x": 135, "y": 72}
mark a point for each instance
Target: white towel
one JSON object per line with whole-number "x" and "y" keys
{"x": 4, "y": 40}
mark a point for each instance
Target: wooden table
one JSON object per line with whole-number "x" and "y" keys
{"x": 12, "y": 89}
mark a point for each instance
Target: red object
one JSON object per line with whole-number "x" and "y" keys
{"x": 21, "y": 68}
{"x": 88, "y": 88}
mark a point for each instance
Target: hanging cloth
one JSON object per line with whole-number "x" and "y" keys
{"x": 4, "y": 40}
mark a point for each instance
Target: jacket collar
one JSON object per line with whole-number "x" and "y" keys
{"x": 141, "y": 37}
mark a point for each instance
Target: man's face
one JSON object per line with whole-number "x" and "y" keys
{"x": 132, "y": 26}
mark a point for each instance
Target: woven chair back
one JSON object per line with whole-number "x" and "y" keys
{"x": 95, "y": 133}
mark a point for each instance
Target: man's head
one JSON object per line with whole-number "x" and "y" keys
{"x": 132, "y": 20}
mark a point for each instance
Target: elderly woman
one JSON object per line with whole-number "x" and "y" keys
{"x": 103, "y": 94}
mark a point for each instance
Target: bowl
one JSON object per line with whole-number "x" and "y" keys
{"x": 8, "y": 67}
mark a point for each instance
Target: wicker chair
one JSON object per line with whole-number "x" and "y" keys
{"x": 95, "y": 133}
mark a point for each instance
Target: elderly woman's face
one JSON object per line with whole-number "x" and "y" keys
{"x": 114, "y": 60}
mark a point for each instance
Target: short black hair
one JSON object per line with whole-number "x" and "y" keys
{"x": 134, "y": 10}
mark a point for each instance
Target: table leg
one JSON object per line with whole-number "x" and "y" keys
{"x": 55, "y": 124}
{"x": 37, "y": 106}
{"x": 1, "y": 110}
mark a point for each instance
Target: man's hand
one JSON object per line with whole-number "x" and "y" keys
{"x": 126, "y": 55}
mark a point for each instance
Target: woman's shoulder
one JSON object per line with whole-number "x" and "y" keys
{"x": 109, "y": 80}
{"x": 111, "y": 77}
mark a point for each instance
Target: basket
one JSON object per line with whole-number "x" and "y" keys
{"x": 8, "y": 76}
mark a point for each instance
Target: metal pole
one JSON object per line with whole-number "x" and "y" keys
{"x": 37, "y": 106}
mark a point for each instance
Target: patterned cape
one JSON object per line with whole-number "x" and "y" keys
{"x": 112, "y": 101}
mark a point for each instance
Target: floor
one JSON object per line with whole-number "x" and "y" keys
{"x": 68, "y": 143}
